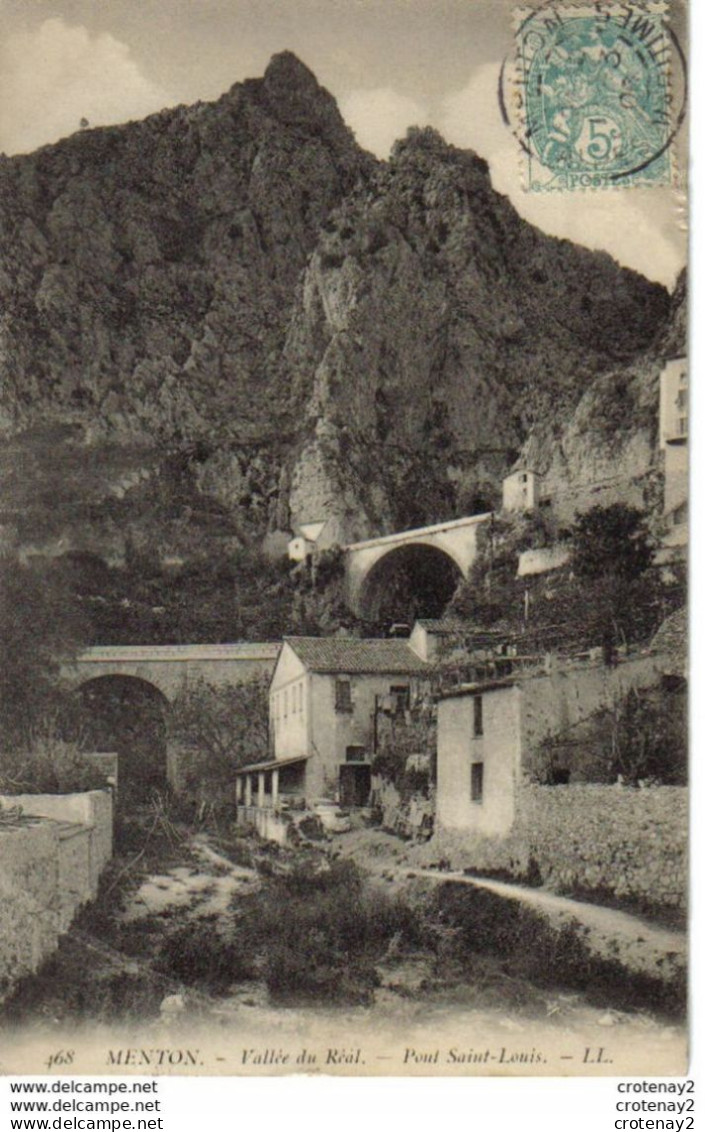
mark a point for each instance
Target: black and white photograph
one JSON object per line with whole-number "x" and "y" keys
{"x": 344, "y": 427}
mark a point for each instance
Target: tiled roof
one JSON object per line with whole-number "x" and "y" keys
{"x": 352, "y": 655}
{"x": 443, "y": 626}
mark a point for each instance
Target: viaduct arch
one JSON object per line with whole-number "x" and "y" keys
{"x": 169, "y": 668}
{"x": 129, "y": 716}
{"x": 126, "y": 692}
{"x": 428, "y": 560}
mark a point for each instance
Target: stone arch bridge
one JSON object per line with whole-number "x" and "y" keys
{"x": 442, "y": 554}
{"x": 169, "y": 668}
{"x": 126, "y": 692}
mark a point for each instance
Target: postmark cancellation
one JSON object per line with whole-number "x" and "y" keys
{"x": 593, "y": 100}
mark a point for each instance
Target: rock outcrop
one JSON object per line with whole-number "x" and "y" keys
{"x": 298, "y": 329}
{"x": 607, "y": 450}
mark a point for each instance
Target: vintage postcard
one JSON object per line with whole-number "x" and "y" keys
{"x": 344, "y": 488}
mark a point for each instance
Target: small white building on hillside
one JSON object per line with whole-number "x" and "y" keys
{"x": 432, "y": 635}
{"x": 521, "y": 490}
{"x": 310, "y": 537}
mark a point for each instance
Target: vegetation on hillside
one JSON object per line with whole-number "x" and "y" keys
{"x": 641, "y": 738}
{"x": 51, "y": 766}
{"x": 43, "y": 625}
{"x": 315, "y": 931}
{"x": 608, "y": 594}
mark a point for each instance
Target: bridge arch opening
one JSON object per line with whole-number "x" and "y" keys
{"x": 129, "y": 716}
{"x": 411, "y": 581}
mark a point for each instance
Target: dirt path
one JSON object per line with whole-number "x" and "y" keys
{"x": 202, "y": 888}
{"x": 487, "y": 1022}
{"x": 641, "y": 946}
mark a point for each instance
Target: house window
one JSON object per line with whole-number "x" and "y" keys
{"x": 343, "y": 695}
{"x": 477, "y": 774}
{"x": 477, "y": 728}
{"x": 286, "y": 704}
{"x": 400, "y": 695}
{"x": 355, "y": 753}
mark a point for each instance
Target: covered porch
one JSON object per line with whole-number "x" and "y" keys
{"x": 264, "y": 790}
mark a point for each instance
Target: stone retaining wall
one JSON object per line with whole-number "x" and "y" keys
{"x": 631, "y": 842}
{"x": 29, "y": 898}
{"x": 612, "y": 840}
{"x": 50, "y": 865}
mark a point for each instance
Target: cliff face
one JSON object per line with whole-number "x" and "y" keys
{"x": 435, "y": 329}
{"x": 607, "y": 450}
{"x": 303, "y": 331}
{"x": 148, "y": 270}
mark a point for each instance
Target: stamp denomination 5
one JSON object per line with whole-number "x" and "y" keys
{"x": 592, "y": 96}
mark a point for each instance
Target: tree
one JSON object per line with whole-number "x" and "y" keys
{"x": 217, "y": 730}
{"x": 51, "y": 766}
{"x": 42, "y": 628}
{"x": 612, "y": 553}
{"x": 611, "y": 541}
{"x": 650, "y": 738}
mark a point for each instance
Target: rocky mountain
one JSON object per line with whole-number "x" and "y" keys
{"x": 228, "y": 319}
{"x": 607, "y": 450}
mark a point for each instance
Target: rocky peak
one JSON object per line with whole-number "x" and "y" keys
{"x": 290, "y": 94}
{"x": 241, "y": 277}
{"x": 286, "y": 77}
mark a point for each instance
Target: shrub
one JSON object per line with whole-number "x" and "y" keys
{"x": 329, "y": 566}
{"x": 199, "y": 953}
{"x": 464, "y": 923}
{"x": 398, "y": 740}
{"x": 318, "y": 934}
{"x": 649, "y": 738}
{"x": 613, "y": 541}
{"x": 53, "y": 766}
{"x": 219, "y": 729}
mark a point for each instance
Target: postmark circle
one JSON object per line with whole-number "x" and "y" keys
{"x": 591, "y": 94}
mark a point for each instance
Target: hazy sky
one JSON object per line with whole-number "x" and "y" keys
{"x": 390, "y": 64}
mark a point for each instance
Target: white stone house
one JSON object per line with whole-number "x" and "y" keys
{"x": 488, "y": 731}
{"x": 430, "y": 635}
{"x": 310, "y": 537}
{"x": 521, "y": 490}
{"x": 326, "y": 698}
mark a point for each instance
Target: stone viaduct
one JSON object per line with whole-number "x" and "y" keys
{"x": 169, "y": 668}
{"x": 369, "y": 564}
{"x": 127, "y": 692}
{"x": 117, "y": 678}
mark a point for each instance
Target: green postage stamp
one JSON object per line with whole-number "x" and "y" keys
{"x": 594, "y": 95}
